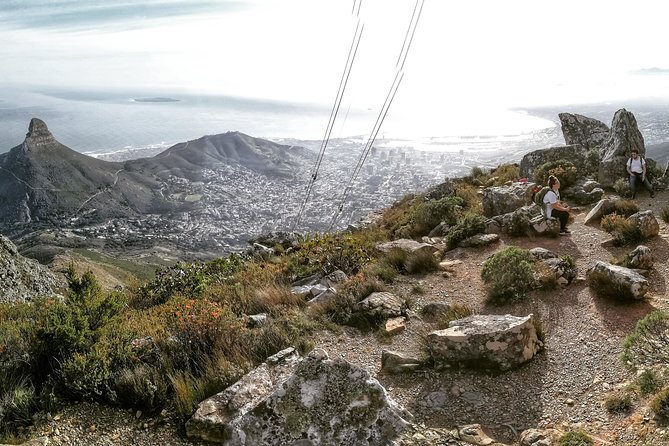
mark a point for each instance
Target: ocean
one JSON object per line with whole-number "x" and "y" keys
{"x": 108, "y": 121}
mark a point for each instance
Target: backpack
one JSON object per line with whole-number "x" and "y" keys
{"x": 539, "y": 198}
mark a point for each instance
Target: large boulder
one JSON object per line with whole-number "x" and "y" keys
{"x": 640, "y": 258}
{"x": 23, "y": 279}
{"x": 503, "y": 199}
{"x": 624, "y": 137}
{"x": 584, "y": 192}
{"x": 489, "y": 341}
{"x": 646, "y": 222}
{"x": 524, "y": 221}
{"x": 407, "y": 245}
{"x": 381, "y": 304}
{"x": 587, "y": 132}
{"x": 603, "y": 207}
{"x": 292, "y": 401}
{"x": 574, "y": 153}
{"x": 616, "y": 281}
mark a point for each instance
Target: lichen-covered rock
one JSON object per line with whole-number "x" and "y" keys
{"x": 485, "y": 341}
{"x": 406, "y": 245}
{"x": 616, "y": 281}
{"x": 604, "y": 207}
{"x": 624, "y": 137}
{"x": 382, "y": 304}
{"x": 314, "y": 401}
{"x": 560, "y": 270}
{"x": 503, "y": 199}
{"x": 542, "y": 253}
{"x": 524, "y": 221}
{"x": 539, "y": 437}
{"x": 584, "y": 192}
{"x": 646, "y": 222}
{"x": 395, "y": 362}
{"x": 640, "y": 258}
{"x": 23, "y": 279}
{"x": 574, "y": 153}
{"x": 479, "y": 240}
{"x": 579, "y": 129}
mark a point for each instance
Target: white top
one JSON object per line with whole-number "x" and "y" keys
{"x": 636, "y": 165}
{"x": 550, "y": 199}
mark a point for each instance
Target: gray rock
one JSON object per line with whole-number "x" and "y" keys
{"x": 616, "y": 281}
{"x": 256, "y": 320}
{"x": 394, "y": 362}
{"x": 604, "y": 207}
{"x": 539, "y": 437}
{"x": 624, "y": 137}
{"x": 585, "y": 191}
{"x": 288, "y": 401}
{"x": 504, "y": 199}
{"x": 23, "y": 279}
{"x": 579, "y": 129}
{"x": 406, "y": 245}
{"x": 382, "y": 304}
{"x": 640, "y": 258}
{"x": 325, "y": 297}
{"x": 646, "y": 222}
{"x": 496, "y": 341}
{"x": 479, "y": 240}
{"x": 542, "y": 253}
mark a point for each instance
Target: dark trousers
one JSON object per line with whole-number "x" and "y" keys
{"x": 563, "y": 216}
{"x": 636, "y": 177}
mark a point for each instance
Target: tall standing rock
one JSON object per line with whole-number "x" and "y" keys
{"x": 587, "y": 132}
{"x": 624, "y": 137}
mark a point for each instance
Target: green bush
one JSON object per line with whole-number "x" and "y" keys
{"x": 648, "y": 344}
{"x": 624, "y": 231}
{"x": 186, "y": 279}
{"x": 455, "y": 312}
{"x": 622, "y": 187}
{"x": 625, "y": 207}
{"x": 471, "y": 224}
{"x": 592, "y": 160}
{"x": 648, "y": 382}
{"x": 659, "y": 404}
{"x": 564, "y": 170}
{"x": 141, "y": 386}
{"x": 618, "y": 403}
{"x": 427, "y": 214}
{"x": 576, "y": 438}
{"x": 509, "y": 273}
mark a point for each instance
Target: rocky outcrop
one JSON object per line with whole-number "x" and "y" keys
{"x": 22, "y": 279}
{"x": 489, "y": 341}
{"x": 616, "y": 281}
{"x": 291, "y": 401}
{"x": 503, "y": 199}
{"x": 624, "y": 137}
{"x": 395, "y": 362}
{"x": 586, "y": 132}
{"x": 479, "y": 241}
{"x": 382, "y": 305}
{"x": 574, "y": 153}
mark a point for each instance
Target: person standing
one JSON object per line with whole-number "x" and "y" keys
{"x": 554, "y": 207}
{"x": 636, "y": 168}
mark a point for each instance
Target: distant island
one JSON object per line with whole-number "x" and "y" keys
{"x": 156, "y": 99}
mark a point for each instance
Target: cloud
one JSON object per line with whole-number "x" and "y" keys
{"x": 651, "y": 71}
{"x": 70, "y": 15}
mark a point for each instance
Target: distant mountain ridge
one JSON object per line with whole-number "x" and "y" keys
{"x": 43, "y": 181}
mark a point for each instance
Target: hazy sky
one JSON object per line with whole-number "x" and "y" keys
{"x": 467, "y": 56}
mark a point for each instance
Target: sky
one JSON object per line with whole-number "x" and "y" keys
{"x": 467, "y": 59}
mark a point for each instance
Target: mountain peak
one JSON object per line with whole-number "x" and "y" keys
{"x": 38, "y": 134}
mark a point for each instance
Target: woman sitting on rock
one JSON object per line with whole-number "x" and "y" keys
{"x": 554, "y": 207}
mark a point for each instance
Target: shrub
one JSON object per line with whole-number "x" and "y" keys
{"x": 592, "y": 162}
{"x": 564, "y": 170}
{"x": 648, "y": 343}
{"x": 340, "y": 309}
{"x": 618, "y": 403}
{"x": 664, "y": 213}
{"x": 187, "y": 279}
{"x": 624, "y": 231}
{"x": 470, "y": 224}
{"x": 455, "y": 312}
{"x": 648, "y": 382}
{"x": 660, "y": 403}
{"x": 86, "y": 375}
{"x": 396, "y": 258}
{"x": 421, "y": 261}
{"x": 622, "y": 187}
{"x": 17, "y": 402}
{"x": 509, "y": 273}
{"x": 385, "y": 272}
{"x": 428, "y": 214}
{"x": 141, "y": 386}
{"x": 274, "y": 300}
{"x": 418, "y": 289}
{"x": 625, "y": 207}
{"x": 576, "y": 438}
